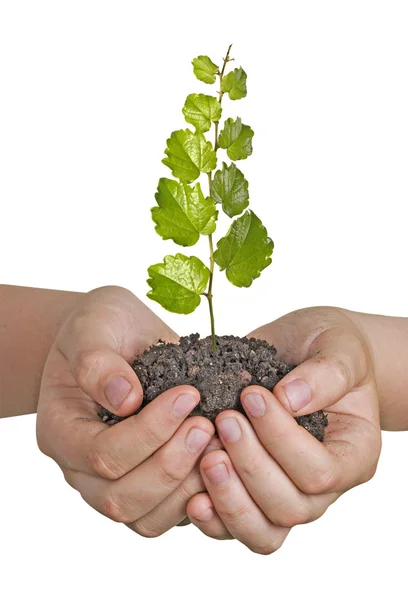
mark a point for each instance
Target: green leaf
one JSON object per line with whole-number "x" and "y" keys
{"x": 188, "y": 154}
{"x": 201, "y": 110}
{"x": 235, "y": 84}
{"x": 230, "y": 188}
{"x": 236, "y": 139}
{"x": 245, "y": 251}
{"x": 204, "y": 69}
{"x": 177, "y": 283}
{"x": 183, "y": 213}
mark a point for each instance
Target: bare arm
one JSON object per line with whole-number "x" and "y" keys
{"x": 29, "y": 321}
{"x": 387, "y": 338}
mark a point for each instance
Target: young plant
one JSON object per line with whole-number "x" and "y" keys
{"x": 184, "y": 213}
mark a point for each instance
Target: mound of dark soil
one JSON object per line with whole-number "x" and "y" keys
{"x": 220, "y": 377}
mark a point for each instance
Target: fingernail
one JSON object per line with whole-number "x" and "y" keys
{"x": 207, "y": 515}
{"x": 229, "y": 429}
{"x": 254, "y": 404}
{"x": 116, "y": 391}
{"x": 217, "y": 474}
{"x": 197, "y": 439}
{"x": 183, "y": 405}
{"x": 298, "y": 393}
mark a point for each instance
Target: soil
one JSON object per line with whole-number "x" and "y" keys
{"x": 220, "y": 377}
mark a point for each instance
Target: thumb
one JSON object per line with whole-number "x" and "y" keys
{"x": 108, "y": 379}
{"x": 98, "y": 340}
{"x": 337, "y": 363}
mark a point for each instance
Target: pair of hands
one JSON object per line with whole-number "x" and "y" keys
{"x": 159, "y": 468}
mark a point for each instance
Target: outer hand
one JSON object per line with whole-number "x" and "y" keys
{"x": 273, "y": 474}
{"x": 140, "y": 471}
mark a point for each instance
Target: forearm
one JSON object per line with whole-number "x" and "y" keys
{"x": 387, "y": 338}
{"x": 29, "y": 321}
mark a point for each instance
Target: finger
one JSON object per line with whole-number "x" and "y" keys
{"x": 339, "y": 463}
{"x": 173, "y": 510}
{"x": 336, "y": 364}
{"x": 140, "y": 491}
{"x": 270, "y": 487}
{"x": 241, "y": 516}
{"x": 201, "y": 513}
{"x": 105, "y": 376}
{"x": 110, "y": 452}
{"x": 100, "y": 339}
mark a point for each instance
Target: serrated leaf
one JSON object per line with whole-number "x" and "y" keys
{"x": 204, "y": 69}
{"x": 235, "y": 84}
{"x": 245, "y": 251}
{"x": 201, "y": 110}
{"x": 188, "y": 154}
{"x": 177, "y": 283}
{"x": 230, "y": 188}
{"x": 236, "y": 139}
{"x": 183, "y": 212}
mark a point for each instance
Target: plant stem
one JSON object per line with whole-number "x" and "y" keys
{"x": 210, "y": 240}
{"x": 221, "y": 93}
{"x": 209, "y": 293}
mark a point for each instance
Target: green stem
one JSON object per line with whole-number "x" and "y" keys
{"x": 209, "y": 293}
{"x": 210, "y": 240}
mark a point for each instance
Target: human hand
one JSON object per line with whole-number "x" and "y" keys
{"x": 273, "y": 474}
{"x": 142, "y": 470}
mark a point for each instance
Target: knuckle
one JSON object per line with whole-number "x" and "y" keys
{"x": 343, "y": 371}
{"x": 189, "y": 487}
{"x": 67, "y": 476}
{"x": 170, "y": 475}
{"x": 104, "y": 465}
{"x": 267, "y": 547}
{"x": 251, "y": 467}
{"x": 233, "y": 515}
{"x": 221, "y": 536}
{"x": 289, "y": 519}
{"x": 116, "y": 510}
{"x": 41, "y": 443}
{"x": 45, "y": 427}
{"x": 371, "y": 471}
{"x": 212, "y": 458}
{"x": 101, "y": 292}
{"x": 85, "y": 365}
{"x": 152, "y": 439}
{"x": 323, "y": 483}
{"x": 147, "y": 528}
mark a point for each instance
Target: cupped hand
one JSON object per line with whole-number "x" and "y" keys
{"x": 272, "y": 474}
{"x": 142, "y": 471}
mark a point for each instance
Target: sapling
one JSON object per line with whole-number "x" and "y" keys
{"x": 184, "y": 212}
{"x": 218, "y": 366}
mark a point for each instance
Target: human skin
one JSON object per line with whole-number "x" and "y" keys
{"x": 272, "y": 474}
{"x": 143, "y": 471}
{"x": 341, "y": 349}
{"x": 30, "y": 319}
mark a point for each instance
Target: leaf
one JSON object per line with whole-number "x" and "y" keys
{"x": 204, "y": 69}
{"x": 245, "y": 251}
{"x": 235, "y": 84}
{"x": 230, "y": 188}
{"x": 183, "y": 213}
{"x": 236, "y": 139}
{"x": 177, "y": 283}
{"x": 201, "y": 110}
{"x": 188, "y": 154}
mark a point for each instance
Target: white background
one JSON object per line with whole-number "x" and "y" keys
{"x": 89, "y": 93}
